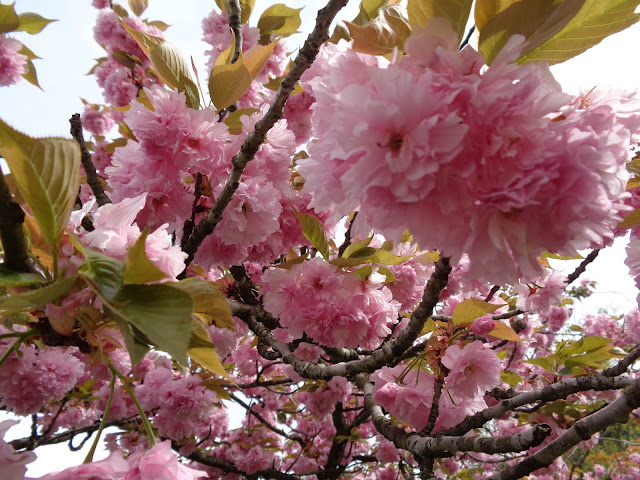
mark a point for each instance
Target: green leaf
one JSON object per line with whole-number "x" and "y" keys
{"x": 161, "y": 312}
{"x": 537, "y": 20}
{"x": 137, "y": 266}
{"x": 356, "y": 246}
{"x": 510, "y": 378}
{"x": 159, "y": 25}
{"x": 545, "y": 362}
{"x": 9, "y": 278}
{"x": 104, "y": 271}
{"x": 228, "y": 83}
{"x": 21, "y": 302}
{"x": 9, "y": 20}
{"x": 203, "y": 351}
{"x": 470, "y": 309}
{"x": 232, "y": 121}
{"x": 208, "y": 300}
{"x": 382, "y": 257}
{"x": 279, "y": 20}
{"x": 596, "y": 20}
{"x": 136, "y": 347}
{"x": 379, "y": 37}
{"x": 167, "y": 62}
{"x": 32, "y": 23}
{"x": 47, "y": 174}
{"x": 389, "y": 276}
{"x": 313, "y": 231}
{"x": 456, "y": 11}
{"x": 485, "y": 10}
{"x": 364, "y": 272}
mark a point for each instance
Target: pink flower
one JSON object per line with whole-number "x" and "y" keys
{"x": 12, "y": 463}
{"x": 12, "y": 63}
{"x": 483, "y": 326}
{"x": 160, "y": 463}
{"x": 332, "y": 306}
{"x": 472, "y": 369}
{"x": 469, "y": 160}
{"x": 540, "y": 298}
{"x": 111, "y": 468}
{"x": 408, "y": 399}
{"x": 96, "y": 121}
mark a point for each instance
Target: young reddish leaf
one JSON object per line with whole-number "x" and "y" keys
{"x": 138, "y": 6}
{"x": 32, "y": 23}
{"x": 456, "y": 11}
{"x": 470, "y": 309}
{"x": 256, "y": 58}
{"x": 46, "y": 171}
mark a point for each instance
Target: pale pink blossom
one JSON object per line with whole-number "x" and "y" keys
{"x": 473, "y": 369}
{"x": 408, "y": 398}
{"x": 96, "y": 121}
{"x": 12, "y": 463}
{"x": 160, "y": 463}
{"x": 542, "y": 294}
{"x": 12, "y": 63}
{"x": 111, "y": 468}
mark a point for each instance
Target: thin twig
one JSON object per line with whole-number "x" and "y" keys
{"x": 236, "y": 28}
{"x": 582, "y": 267}
{"x": 89, "y": 169}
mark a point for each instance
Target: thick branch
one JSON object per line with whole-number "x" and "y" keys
{"x": 211, "y": 461}
{"x": 549, "y": 393}
{"x": 616, "y": 412}
{"x": 16, "y": 255}
{"x": 422, "y": 446}
{"x": 389, "y": 354}
{"x": 89, "y": 169}
{"x": 254, "y": 140}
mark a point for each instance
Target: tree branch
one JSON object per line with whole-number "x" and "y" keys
{"x": 582, "y": 267}
{"x": 16, "y": 255}
{"x": 87, "y": 164}
{"x": 236, "y": 28}
{"x": 616, "y": 412}
{"x": 255, "y": 139}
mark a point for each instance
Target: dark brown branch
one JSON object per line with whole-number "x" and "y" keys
{"x": 389, "y": 354}
{"x": 204, "y": 458}
{"x": 623, "y": 364}
{"x": 236, "y": 28}
{"x": 255, "y": 139}
{"x": 347, "y": 236}
{"x": 582, "y": 267}
{"x": 16, "y": 255}
{"x": 87, "y": 163}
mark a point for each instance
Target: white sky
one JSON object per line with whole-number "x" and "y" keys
{"x": 68, "y": 51}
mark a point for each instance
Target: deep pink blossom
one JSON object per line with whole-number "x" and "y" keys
{"x": 12, "y": 463}
{"x": 96, "y": 121}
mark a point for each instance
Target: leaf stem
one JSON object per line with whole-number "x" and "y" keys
{"x": 14, "y": 347}
{"x": 92, "y": 450}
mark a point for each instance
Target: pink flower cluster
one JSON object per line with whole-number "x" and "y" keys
{"x": 121, "y": 83}
{"x": 408, "y": 394}
{"x": 495, "y": 162}
{"x": 159, "y": 463}
{"x": 12, "y": 462}
{"x": 182, "y": 405}
{"x": 30, "y": 381}
{"x": 12, "y": 63}
{"x": 333, "y": 307}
